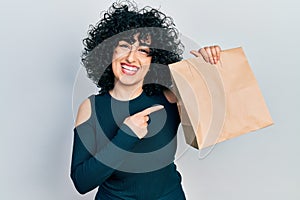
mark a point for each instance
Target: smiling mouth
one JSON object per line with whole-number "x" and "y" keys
{"x": 129, "y": 69}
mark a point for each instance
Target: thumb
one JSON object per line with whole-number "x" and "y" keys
{"x": 195, "y": 53}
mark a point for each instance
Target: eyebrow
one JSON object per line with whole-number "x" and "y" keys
{"x": 130, "y": 41}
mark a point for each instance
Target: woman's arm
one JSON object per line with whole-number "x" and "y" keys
{"x": 87, "y": 170}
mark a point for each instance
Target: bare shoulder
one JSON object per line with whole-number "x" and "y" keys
{"x": 84, "y": 112}
{"x": 170, "y": 96}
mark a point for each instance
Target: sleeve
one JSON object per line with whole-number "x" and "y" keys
{"x": 87, "y": 166}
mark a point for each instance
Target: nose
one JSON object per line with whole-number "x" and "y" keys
{"x": 131, "y": 57}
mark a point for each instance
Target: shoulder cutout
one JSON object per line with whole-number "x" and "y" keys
{"x": 170, "y": 96}
{"x": 84, "y": 112}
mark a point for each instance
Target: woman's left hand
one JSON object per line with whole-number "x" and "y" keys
{"x": 210, "y": 54}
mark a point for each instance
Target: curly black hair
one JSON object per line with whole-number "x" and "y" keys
{"x": 124, "y": 20}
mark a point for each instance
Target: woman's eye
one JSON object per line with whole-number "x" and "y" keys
{"x": 144, "y": 51}
{"x": 124, "y": 46}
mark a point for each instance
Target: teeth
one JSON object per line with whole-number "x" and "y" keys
{"x": 129, "y": 68}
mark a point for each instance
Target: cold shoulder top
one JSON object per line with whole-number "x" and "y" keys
{"x": 108, "y": 155}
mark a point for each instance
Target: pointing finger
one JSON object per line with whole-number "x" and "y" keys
{"x": 152, "y": 109}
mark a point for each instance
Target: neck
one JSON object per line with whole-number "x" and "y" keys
{"x": 125, "y": 92}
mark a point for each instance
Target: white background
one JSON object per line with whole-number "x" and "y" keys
{"x": 40, "y": 57}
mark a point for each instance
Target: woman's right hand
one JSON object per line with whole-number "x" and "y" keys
{"x": 138, "y": 122}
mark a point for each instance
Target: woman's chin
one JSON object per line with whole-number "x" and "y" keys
{"x": 129, "y": 81}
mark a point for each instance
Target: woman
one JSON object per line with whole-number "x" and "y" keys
{"x": 125, "y": 136}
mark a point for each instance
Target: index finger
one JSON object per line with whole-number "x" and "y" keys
{"x": 152, "y": 109}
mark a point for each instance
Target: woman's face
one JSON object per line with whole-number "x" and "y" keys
{"x": 131, "y": 62}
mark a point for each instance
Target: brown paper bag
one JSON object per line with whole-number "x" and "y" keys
{"x": 218, "y": 102}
